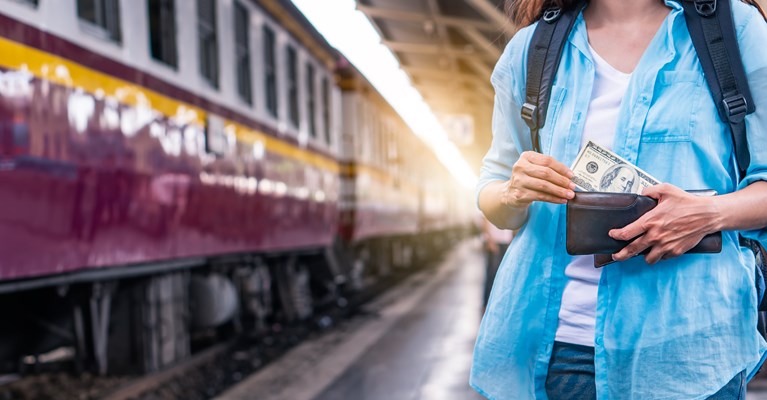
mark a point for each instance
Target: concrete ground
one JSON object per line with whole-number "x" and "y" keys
{"x": 415, "y": 342}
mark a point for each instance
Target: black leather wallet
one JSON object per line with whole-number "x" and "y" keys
{"x": 591, "y": 215}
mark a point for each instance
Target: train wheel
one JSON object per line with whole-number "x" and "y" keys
{"x": 255, "y": 284}
{"x": 293, "y": 282}
{"x": 150, "y": 324}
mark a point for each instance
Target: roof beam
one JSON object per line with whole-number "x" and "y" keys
{"x": 464, "y": 97}
{"x": 430, "y": 49}
{"x": 489, "y": 10}
{"x": 444, "y": 38}
{"x": 439, "y": 74}
{"x": 443, "y": 105}
{"x": 421, "y": 75}
{"x": 481, "y": 42}
{"x": 480, "y": 67}
{"x": 406, "y": 16}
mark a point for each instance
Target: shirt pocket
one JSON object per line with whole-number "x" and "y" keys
{"x": 553, "y": 123}
{"x": 673, "y": 112}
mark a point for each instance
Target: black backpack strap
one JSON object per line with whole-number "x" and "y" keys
{"x": 712, "y": 29}
{"x": 544, "y": 55}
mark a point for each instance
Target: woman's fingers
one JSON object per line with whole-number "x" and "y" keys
{"x": 632, "y": 230}
{"x": 546, "y": 168}
{"x": 547, "y": 187}
{"x": 537, "y": 177}
{"x": 549, "y": 162}
{"x": 634, "y": 248}
{"x": 656, "y": 254}
{"x": 546, "y": 197}
{"x": 552, "y": 176}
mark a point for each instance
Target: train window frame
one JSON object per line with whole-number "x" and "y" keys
{"x": 294, "y": 96}
{"x": 207, "y": 42}
{"x": 311, "y": 98}
{"x": 366, "y": 120}
{"x": 165, "y": 33}
{"x": 380, "y": 140}
{"x": 271, "y": 95}
{"x": 327, "y": 99}
{"x": 242, "y": 52}
{"x": 34, "y": 4}
{"x": 106, "y": 23}
{"x": 216, "y": 138}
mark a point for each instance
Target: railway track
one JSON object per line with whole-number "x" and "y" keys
{"x": 206, "y": 374}
{"x": 155, "y": 382}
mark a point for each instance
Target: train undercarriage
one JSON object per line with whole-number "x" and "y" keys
{"x": 143, "y": 319}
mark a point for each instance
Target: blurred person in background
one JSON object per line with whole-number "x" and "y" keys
{"x": 496, "y": 242}
{"x": 558, "y": 328}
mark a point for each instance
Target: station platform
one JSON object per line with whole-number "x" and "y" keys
{"x": 415, "y": 342}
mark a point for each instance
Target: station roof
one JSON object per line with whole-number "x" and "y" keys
{"x": 448, "y": 48}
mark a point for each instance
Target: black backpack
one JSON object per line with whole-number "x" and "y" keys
{"x": 711, "y": 27}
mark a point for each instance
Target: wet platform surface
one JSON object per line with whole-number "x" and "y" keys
{"x": 415, "y": 342}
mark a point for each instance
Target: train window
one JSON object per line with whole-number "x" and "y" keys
{"x": 208, "y": 40}
{"x": 162, "y": 31}
{"x": 102, "y": 16}
{"x": 326, "y": 108}
{"x": 295, "y": 116}
{"x": 216, "y": 140}
{"x": 32, "y": 3}
{"x": 242, "y": 52}
{"x": 310, "y": 101}
{"x": 270, "y": 71}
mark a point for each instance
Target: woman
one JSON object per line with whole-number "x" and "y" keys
{"x": 667, "y": 325}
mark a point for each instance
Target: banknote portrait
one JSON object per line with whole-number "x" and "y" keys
{"x": 620, "y": 178}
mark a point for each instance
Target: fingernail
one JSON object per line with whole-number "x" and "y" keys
{"x": 570, "y": 194}
{"x": 614, "y": 256}
{"x": 573, "y": 186}
{"x": 570, "y": 174}
{"x": 612, "y": 234}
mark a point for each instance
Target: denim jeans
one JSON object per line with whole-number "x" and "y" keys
{"x": 571, "y": 376}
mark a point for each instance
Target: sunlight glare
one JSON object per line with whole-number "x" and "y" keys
{"x": 349, "y": 31}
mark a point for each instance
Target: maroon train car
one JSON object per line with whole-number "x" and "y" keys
{"x": 173, "y": 166}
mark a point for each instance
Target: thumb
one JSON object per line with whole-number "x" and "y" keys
{"x": 652, "y": 191}
{"x": 656, "y": 191}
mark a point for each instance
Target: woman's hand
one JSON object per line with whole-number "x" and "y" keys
{"x": 538, "y": 177}
{"x": 674, "y": 226}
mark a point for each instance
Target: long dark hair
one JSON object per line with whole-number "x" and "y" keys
{"x": 525, "y": 12}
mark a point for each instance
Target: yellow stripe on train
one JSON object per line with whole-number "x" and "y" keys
{"x": 64, "y": 72}
{"x": 59, "y": 70}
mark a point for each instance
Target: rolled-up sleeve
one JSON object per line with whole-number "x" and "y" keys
{"x": 752, "y": 37}
{"x": 507, "y": 123}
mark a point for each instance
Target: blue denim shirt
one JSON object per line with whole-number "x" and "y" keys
{"x": 680, "y": 329}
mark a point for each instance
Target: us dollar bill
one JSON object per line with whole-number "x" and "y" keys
{"x": 598, "y": 169}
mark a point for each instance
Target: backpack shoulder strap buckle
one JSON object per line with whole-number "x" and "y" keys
{"x": 530, "y": 115}
{"x": 736, "y": 107}
{"x": 705, "y": 8}
{"x": 551, "y": 15}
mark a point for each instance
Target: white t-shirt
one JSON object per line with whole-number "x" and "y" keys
{"x": 579, "y": 301}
